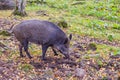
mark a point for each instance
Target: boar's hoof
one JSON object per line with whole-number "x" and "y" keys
{"x": 30, "y": 57}
{"x": 43, "y": 59}
{"x": 55, "y": 54}
{"x": 22, "y": 56}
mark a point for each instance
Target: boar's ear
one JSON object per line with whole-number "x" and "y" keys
{"x": 70, "y": 36}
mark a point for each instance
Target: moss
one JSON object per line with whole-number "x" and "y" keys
{"x": 92, "y": 46}
{"x": 4, "y": 33}
{"x": 61, "y": 22}
{"x": 26, "y": 67}
{"x": 16, "y": 12}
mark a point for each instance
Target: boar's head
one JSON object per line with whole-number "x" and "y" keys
{"x": 64, "y": 47}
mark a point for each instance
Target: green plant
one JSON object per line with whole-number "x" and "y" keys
{"x": 100, "y": 63}
{"x": 110, "y": 37}
{"x": 116, "y": 26}
{"x": 117, "y": 52}
{"x": 104, "y": 78}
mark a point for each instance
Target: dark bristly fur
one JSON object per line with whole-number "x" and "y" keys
{"x": 44, "y": 33}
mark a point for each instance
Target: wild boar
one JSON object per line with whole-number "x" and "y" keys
{"x": 44, "y": 33}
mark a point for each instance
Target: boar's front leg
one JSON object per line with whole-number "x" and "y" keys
{"x": 44, "y": 49}
{"x": 55, "y": 53}
{"x": 25, "y": 45}
{"x": 20, "y": 49}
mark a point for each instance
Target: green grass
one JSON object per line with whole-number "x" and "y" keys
{"x": 102, "y": 51}
{"x": 107, "y": 48}
{"x": 99, "y": 19}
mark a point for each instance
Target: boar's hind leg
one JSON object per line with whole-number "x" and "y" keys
{"x": 55, "y": 53}
{"x": 25, "y": 45}
{"x": 44, "y": 49}
{"x": 20, "y": 49}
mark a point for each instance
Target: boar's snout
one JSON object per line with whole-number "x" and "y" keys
{"x": 64, "y": 50}
{"x": 67, "y": 56}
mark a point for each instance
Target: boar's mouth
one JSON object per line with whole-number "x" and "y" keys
{"x": 65, "y": 54}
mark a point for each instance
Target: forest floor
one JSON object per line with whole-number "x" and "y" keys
{"x": 94, "y": 48}
{"x": 90, "y": 59}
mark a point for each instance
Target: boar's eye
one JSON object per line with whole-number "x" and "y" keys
{"x": 62, "y": 49}
{"x": 66, "y": 40}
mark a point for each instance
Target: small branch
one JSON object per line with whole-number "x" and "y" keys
{"x": 2, "y": 45}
